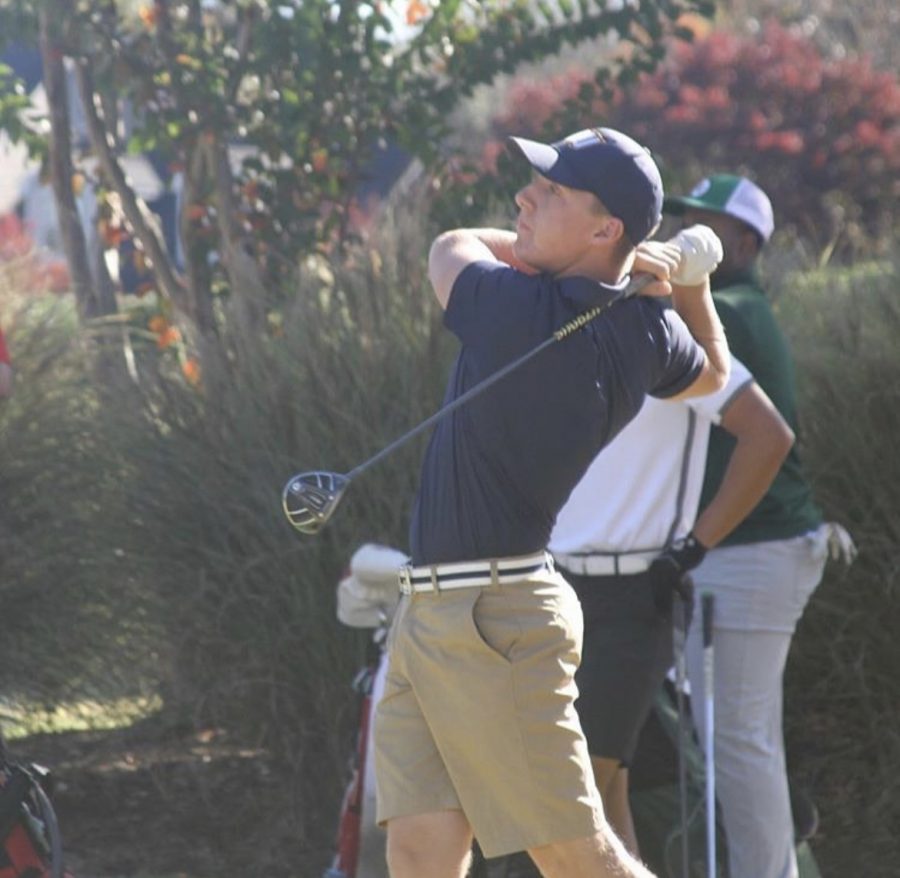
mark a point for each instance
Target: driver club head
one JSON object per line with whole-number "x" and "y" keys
{"x": 309, "y": 499}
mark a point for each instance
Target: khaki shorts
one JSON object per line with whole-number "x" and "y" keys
{"x": 478, "y": 714}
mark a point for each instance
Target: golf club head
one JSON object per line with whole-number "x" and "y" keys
{"x": 309, "y": 499}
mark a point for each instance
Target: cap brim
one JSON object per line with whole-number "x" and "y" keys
{"x": 678, "y": 204}
{"x": 540, "y": 156}
{"x": 547, "y": 160}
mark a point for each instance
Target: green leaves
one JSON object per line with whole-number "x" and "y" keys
{"x": 311, "y": 91}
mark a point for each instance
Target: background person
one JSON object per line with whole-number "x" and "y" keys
{"x": 476, "y": 729}
{"x": 638, "y": 497}
{"x": 763, "y": 573}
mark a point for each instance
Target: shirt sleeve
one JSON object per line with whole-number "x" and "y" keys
{"x": 682, "y": 358}
{"x": 740, "y": 339}
{"x": 496, "y": 309}
{"x": 713, "y": 406}
{"x": 4, "y": 352}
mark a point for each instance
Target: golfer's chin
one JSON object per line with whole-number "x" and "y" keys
{"x": 524, "y": 257}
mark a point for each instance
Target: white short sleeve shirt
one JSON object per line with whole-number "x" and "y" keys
{"x": 642, "y": 490}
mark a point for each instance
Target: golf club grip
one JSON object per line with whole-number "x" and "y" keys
{"x": 637, "y": 283}
{"x": 707, "y": 605}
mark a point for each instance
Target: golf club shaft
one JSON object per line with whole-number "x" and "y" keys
{"x": 707, "y": 606}
{"x": 679, "y": 635}
{"x": 637, "y": 283}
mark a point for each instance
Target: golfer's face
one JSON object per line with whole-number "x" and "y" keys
{"x": 555, "y": 225}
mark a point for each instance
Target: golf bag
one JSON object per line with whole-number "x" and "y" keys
{"x": 30, "y": 843}
{"x": 367, "y": 596}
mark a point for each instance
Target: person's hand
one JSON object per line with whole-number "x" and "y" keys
{"x": 657, "y": 259}
{"x": 669, "y": 575}
{"x": 700, "y": 252}
{"x": 840, "y": 544}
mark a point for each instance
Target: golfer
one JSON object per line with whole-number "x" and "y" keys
{"x": 477, "y": 731}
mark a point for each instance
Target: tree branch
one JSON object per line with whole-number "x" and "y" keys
{"x": 91, "y": 301}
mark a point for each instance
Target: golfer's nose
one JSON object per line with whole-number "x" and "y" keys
{"x": 523, "y": 197}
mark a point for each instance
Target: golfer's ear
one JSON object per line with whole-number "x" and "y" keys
{"x": 609, "y": 230}
{"x": 450, "y": 253}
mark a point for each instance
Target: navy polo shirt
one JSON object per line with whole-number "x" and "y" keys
{"x": 498, "y": 469}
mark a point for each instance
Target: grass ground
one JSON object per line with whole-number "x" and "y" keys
{"x": 149, "y": 800}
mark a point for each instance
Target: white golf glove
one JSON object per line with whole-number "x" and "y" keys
{"x": 840, "y": 544}
{"x": 701, "y": 252}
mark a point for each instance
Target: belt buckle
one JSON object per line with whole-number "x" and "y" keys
{"x": 404, "y": 575}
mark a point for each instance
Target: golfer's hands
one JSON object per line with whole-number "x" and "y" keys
{"x": 700, "y": 252}
{"x": 686, "y": 260}
{"x": 659, "y": 260}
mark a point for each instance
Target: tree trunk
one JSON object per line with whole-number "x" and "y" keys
{"x": 92, "y": 299}
{"x": 144, "y": 224}
{"x": 247, "y": 287}
{"x": 196, "y": 264}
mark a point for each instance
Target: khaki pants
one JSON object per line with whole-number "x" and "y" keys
{"x": 478, "y": 714}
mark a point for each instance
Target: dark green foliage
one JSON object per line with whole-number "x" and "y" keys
{"x": 68, "y": 605}
{"x": 842, "y": 710}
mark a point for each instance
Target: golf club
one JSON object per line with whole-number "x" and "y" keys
{"x": 707, "y": 606}
{"x": 679, "y": 635}
{"x": 309, "y": 499}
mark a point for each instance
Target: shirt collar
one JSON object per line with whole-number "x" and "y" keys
{"x": 586, "y": 293}
{"x": 748, "y": 276}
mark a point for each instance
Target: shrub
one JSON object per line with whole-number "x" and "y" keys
{"x": 842, "y": 711}
{"x": 352, "y": 361}
{"x": 822, "y": 136}
{"x": 71, "y": 612}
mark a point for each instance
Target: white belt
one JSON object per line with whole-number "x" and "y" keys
{"x": 607, "y": 564}
{"x": 471, "y": 574}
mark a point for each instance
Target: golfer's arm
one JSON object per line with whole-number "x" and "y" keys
{"x": 763, "y": 442}
{"x": 452, "y": 251}
{"x": 6, "y": 380}
{"x": 695, "y": 306}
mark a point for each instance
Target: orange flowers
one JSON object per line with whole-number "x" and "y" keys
{"x": 166, "y": 334}
{"x": 190, "y": 368}
{"x": 147, "y": 15}
{"x": 416, "y": 11}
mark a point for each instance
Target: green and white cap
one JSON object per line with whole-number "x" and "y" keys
{"x": 732, "y": 195}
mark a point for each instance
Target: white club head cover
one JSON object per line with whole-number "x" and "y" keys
{"x": 701, "y": 252}
{"x": 367, "y": 596}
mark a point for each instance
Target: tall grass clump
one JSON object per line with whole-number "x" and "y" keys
{"x": 352, "y": 357}
{"x": 842, "y": 693}
{"x": 74, "y": 623}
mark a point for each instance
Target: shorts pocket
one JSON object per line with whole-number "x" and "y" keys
{"x": 494, "y": 625}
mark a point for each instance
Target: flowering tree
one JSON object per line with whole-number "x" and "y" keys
{"x": 821, "y": 135}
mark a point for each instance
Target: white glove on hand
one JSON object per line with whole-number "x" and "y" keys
{"x": 840, "y": 544}
{"x": 701, "y": 252}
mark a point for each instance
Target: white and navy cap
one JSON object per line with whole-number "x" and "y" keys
{"x": 732, "y": 195}
{"x": 615, "y": 168}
